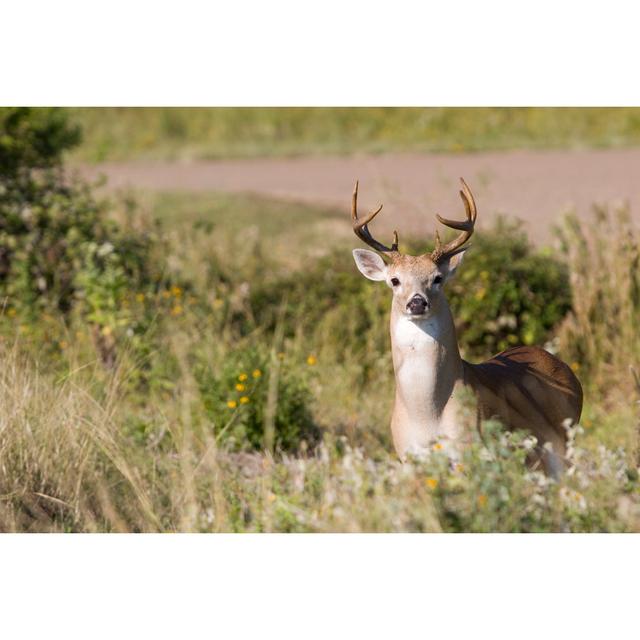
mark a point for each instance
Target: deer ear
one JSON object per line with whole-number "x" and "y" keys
{"x": 370, "y": 264}
{"x": 451, "y": 265}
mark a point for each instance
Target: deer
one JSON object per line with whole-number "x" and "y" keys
{"x": 524, "y": 387}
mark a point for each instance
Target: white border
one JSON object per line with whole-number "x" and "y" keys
{"x": 335, "y": 52}
{"x": 330, "y": 53}
{"x": 306, "y": 586}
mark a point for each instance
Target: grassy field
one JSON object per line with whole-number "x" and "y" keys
{"x": 181, "y": 362}
{"x": 245, "y": 403}
{"x": 187, "y": 134}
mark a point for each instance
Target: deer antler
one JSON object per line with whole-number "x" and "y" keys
{"x": 361, "y": 228}
{"x": 441, "y": 252}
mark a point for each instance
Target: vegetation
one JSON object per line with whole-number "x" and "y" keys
{"x": 191, "y": 377}
{"x": 170, "y": 134}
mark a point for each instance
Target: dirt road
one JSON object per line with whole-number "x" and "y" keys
{"x": 536, "y": 186}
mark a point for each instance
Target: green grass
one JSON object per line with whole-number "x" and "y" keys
{"x": 144, "y": 446}
{"x": 216, "y": 363}
{"x": 288, "y": 232}
{"x": 199, "y": 133}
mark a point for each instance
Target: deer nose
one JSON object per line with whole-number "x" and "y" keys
{"x": 417, "y": 305}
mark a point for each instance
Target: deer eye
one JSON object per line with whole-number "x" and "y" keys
{"x": 395, "y": 282}
{"x": 437, "y": 280}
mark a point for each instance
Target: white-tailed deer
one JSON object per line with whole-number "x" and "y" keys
{"x": 525, "y": 387}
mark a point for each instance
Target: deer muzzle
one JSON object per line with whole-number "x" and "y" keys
{"x": 418, "y": 305}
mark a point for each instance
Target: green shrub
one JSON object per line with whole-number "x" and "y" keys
{"x": 32, "y": 139}
{"x": 327, "y": 298}
{"x": 59, "y": 252}
{"x": 506, "y": 293}
{"x": 247, "y": 390}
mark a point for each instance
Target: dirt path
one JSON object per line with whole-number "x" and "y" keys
{"x": 537, "y": 186}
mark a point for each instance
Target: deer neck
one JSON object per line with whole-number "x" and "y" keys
{"x": 427, "y": 365}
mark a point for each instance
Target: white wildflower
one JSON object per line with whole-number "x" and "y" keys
{"x": 539, "y": 500}
{"x": 573, "y": 499}
{"x": 485, "y": 455}
{"x": 105, "y": 249}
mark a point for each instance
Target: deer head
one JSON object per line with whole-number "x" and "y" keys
{"x": 416, "y": 281}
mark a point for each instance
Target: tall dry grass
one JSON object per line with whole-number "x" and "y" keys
{"x": 63, "y": 460}
{"x": 67, "y": 466}
{"x": 601, "y": 333}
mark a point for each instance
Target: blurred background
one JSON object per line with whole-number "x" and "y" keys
{"x": 534, "y": 164}
{"x": 188, "y": 346}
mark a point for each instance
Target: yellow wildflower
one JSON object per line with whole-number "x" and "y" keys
{"x": 482, "y": 500}
{"x": 244, "y": 400}
{"x": 432, "y": 483}
{"x": 106, "y": 331}
{"x": 437, "y": 447}
{"x": 256, "y": 373}
{"x": 177, "y": 310}
{"x": 242, "y": 377}
{"x": 140, "y": 297}
{"x": 177, "y": 291}
{"x": 232, "y": 404}
{"x": 271, "y": 497}
{"x": 575, "y": 366}
{"x": 240, "y": 387}
{"x": 311, "y": 360}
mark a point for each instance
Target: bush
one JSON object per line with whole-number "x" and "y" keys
{"x": 58, "y": 250}
{"x": 251, "y": 394}
{"x": 506, "y": 293}
{"x": 32, "y": 139}
{"x": 328, "y": 298}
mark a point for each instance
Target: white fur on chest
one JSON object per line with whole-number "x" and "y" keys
{"x": 420, "y": 419}
{"x": 415, "y": 349}
{"x": 415, "y": 336}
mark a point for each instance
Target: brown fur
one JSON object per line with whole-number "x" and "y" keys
{"x": 527, "y": 388}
